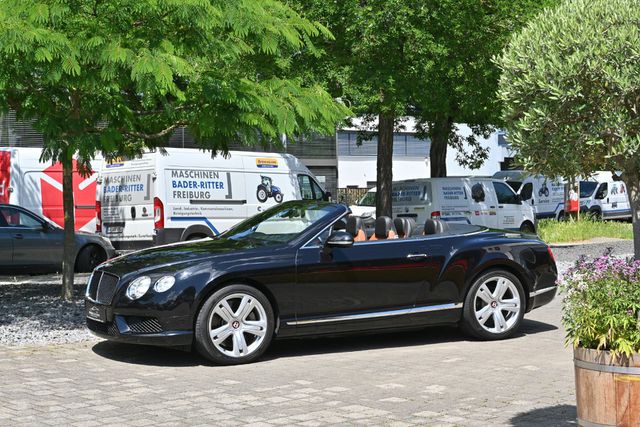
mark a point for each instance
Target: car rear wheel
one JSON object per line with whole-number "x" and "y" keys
{"x": 234, "y": 326}
{"x": 494, "y": 306}
{"x": 89, "y": 258}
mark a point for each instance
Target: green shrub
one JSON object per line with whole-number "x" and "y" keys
{"x": 601, "y": 304}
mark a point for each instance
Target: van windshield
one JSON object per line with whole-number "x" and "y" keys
{"x": 411, "y": 193}
{"x": 587, "y": 188}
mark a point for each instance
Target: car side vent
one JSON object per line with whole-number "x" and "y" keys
{"x": 102, "y": 287}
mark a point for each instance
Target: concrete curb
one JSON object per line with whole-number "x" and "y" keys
{"x": 596, "y": 241}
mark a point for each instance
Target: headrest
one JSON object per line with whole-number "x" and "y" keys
{"x": 354, "y": 224}
{"x": 404, "y": 226}
{"x": 383, "y": 226}
{"x": 434, "y": 226}
{"x": 412, "y": 226}
{"x": 399, "y": 224}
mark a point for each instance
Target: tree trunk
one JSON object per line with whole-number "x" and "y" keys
{"x": 68, "y": 259}
{"x": 384, "y": 176}
{"x": 439, "y": 131}
{"x": 633, "y": 186}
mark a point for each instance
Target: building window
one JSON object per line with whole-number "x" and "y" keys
{"x": 404, "y": 145}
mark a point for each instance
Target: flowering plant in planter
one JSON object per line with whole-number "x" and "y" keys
{"x": 601, "y": 304}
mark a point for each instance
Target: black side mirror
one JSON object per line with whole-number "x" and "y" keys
{"x": 340, "y": 239}
{"x": 518, "y": 199}
{"x": 46, "y": 227}
{"x": 326, "y": 196}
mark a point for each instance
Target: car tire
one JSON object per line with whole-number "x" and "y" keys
{"x": 485, "y": 300}
{"x": 227, "y": 334}
{"x": 89, "y": 258}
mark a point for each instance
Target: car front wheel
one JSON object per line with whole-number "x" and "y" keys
{"x": 494, "y": 306}
{"x": 234, "y": 326}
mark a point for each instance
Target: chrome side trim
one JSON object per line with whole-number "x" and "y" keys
{"x": 376, "y": 314}
{"x": 542, "y": 291}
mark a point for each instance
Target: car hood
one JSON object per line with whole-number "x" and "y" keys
{"x": 174, "y": 256}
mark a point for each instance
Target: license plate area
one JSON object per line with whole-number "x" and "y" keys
{"x": 95, "y": 312}
{"x": 114, "y": 229}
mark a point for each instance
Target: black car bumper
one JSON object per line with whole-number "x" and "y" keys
{"x": 542, "y": 296}
{"x": 147, "y": 333}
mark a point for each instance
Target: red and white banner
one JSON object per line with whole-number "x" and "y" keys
{"x": 84, "y": 194}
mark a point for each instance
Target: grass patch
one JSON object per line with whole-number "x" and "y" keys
{"x": 552, "y": 231}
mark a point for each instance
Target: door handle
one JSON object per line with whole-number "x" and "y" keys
{"x": 417, "y": 257}
{"x": 500, "y": 206}
{"x": 492, "y": 207}
{"x": 18, "y": 236}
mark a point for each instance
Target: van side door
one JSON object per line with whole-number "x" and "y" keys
{"x": 482, "y": 203}
{"x": 510, "y": 215}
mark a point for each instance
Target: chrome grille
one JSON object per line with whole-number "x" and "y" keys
{"x": 101, "y": 287}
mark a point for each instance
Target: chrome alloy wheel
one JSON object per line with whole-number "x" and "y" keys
{"x": 497, "y": 304}
{"x": 237, "y": 325}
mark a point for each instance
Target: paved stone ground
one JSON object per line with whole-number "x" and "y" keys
{"x": 430, "y": 377}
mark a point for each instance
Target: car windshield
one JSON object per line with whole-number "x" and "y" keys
{"x": 280, "y": 224}
{"x": 369, "y": 199}
{"x": 587, "y": 188}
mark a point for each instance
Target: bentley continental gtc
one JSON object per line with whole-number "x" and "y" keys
{"x": 308, "y": 268}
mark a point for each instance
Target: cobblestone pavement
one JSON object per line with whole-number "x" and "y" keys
{"x": 430, "y": 377}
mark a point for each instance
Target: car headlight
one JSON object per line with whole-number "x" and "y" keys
{"x": 138, "y": 287}
{"x": 164, "y": 283}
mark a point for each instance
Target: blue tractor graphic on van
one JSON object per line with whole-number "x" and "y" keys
{"x": 266, "y": 189}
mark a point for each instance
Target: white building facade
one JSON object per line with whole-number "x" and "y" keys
{"x": 357, "y": 162}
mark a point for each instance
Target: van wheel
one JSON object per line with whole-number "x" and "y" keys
{"x": 234, "y": 326}
{"x": 196, "y": 237}
{"x": 595, "y": 214}
{"x": 261, "y": 194}
{"x": 89, "y": 258}
{"x": 527, "y": 227}
{"x": 278, "y": 198}
{"x": 561, "y": 216}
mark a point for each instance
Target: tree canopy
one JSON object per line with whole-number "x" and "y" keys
{"x": 118, "y": 76}
{"x": 427, "y": 58}
{"x": 570, "y": 87}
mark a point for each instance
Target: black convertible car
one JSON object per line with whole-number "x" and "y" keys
{"x": 308, "y": 268}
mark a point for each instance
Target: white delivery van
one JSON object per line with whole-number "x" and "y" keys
{"x": 604, "y": 197}
{"x": 545, "y": 195}
{"x": 186, "y": 194}
{"x": 471, "y": 200}
{"x": 26, "y": 182}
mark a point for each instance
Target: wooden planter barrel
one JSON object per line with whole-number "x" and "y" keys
{"x": 607, "y": 390}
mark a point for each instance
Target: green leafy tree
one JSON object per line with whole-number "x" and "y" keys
{"x": 570, "y": 86}
{"x": 116, "y": 77}
{"x": 426, "y": 58}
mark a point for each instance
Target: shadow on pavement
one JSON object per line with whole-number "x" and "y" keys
{"x": 561, "y": 415}
{"x": 147, "y": 355}
{"x": 161, "y": 356}
{"x": 530, "y": 327}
